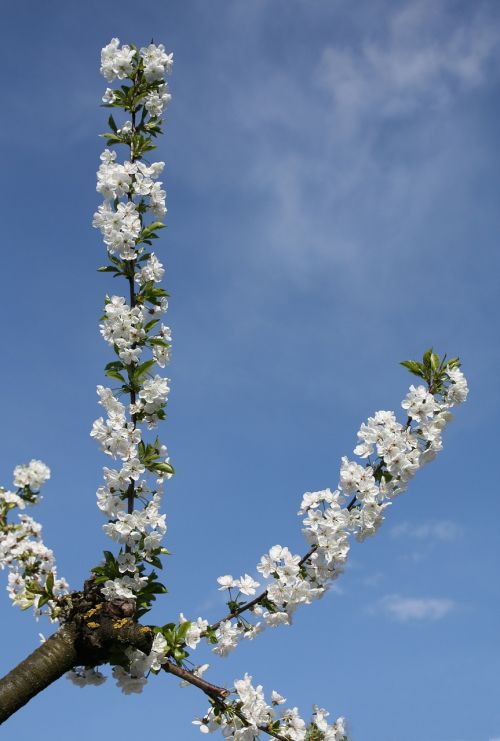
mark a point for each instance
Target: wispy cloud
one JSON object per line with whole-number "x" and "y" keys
{"x": 422, "y": 59}
{"x": 372, "y": 580}
{"x": 372, "y": 121}
{"x": 407, "y": 609}
{"x": 444, "y": 531}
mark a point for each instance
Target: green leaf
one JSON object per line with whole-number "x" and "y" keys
{"x": 427, "y": 358}
{"x": 182, "y": 630}
{"x": 111, "y": 373}
{"x": 179, "y": 655}
{"x": 413, "y": 367}
{"x": 115, "y": 365}
{"x": 108, "y": 557}
{"x": 112, "y": 125}
{"x": 435, "y": 361}
{"x": 112, "y": 138}
{"x": 151, "y": 324}
{"x": 156, "y": 225}
{"x": 49, "y": 584}
{"x": 43, "y": 600}
{"x": 101, "y": 579}
{"x": 156, "y": 562}
{"x": 168, "y": 628}
{"x": 142, "y": 369}
{"x": 210, "y": 636}
{"x": 157, "y": 588}
{"x": 164, "y": 468}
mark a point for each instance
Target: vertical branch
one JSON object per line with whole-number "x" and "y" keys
{"x": 131, "y": 279}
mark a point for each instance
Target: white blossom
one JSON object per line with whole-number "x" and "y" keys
{"x": 156, "y": 62}
{"x": 151, "y": 270}
{"x": 33, "y": 474}
{"x": 157, "y": 100}
{"x": 195, "y": 631}
{"x": 82, "y": 676}
{"x": 116, "y": 61}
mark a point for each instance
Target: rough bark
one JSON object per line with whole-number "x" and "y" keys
{"x": 94, "y": 630}
{"x": 49, "y": 662}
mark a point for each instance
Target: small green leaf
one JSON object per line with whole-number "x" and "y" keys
{"x": 114, "y": 365}
{"x": 101, "y": 579}
{"x": 150, "y": 325}
{"x": 43, "y": 600}
{"x": 142, "y": 369}
{"x": 435, "y": 361}
{"x": 111, "y": 373}
{"x": 49, "y": 583}
{"x": 413, "y": 367}
{"x": 427, "y": 358}
{"x": 109, "y": 558}
{"x": 182, "y": 630}
{"x": 164, "y": 468}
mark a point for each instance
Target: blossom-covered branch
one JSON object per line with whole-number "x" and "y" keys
{"x": 131, "y": 495}
{"x": 32, "y": 580}
{"x": 249, "y": 715}
{"x": 393, "y": 452}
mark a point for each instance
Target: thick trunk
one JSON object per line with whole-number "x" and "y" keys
{"x": 49, "y": 662}
{"x": 88, "y": 640}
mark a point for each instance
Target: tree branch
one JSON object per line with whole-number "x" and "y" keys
{"x": 46, "y": 664}
{"x": 263, "y": 595}
{"x": 212, "y": 690}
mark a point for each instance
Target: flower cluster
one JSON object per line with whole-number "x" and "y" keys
{"x": 246, "y": 717}
{"x": 131, "y": 495}
{"x": 118, "y": 61}
{"x": 83, "y": 676}
{"x": 158, "y": 100}
{"x": 133, "y": 679}
{"x": 121, "y": 226}
{"x": 393, "y": 452}
{"x": 32, "y": 580}
{"x": 31, "y": 475}
{"x": 120, "y": 229}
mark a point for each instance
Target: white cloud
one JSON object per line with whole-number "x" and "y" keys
{"x": 406, "y": 609}
{"x": 370, "y": 124}
{"x": 419, "y": 60}
{"x": 444, "y": 531}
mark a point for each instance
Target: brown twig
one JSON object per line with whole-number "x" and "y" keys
{"x": 212, "y": 690}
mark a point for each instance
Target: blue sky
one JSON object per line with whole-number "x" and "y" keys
{"x": 332, "y": 173}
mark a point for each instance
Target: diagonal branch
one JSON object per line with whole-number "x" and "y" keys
{"x": 212, "y": 690}
{"x": 46, "y": 664}
{"x": 263, "y": 596}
